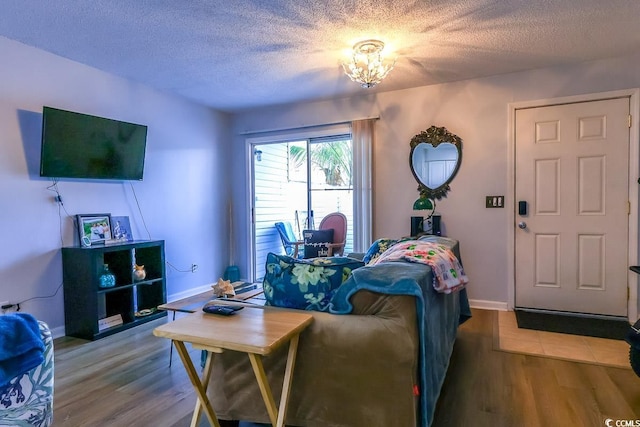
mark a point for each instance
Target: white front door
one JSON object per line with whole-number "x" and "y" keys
{"x": 572, "y": 167}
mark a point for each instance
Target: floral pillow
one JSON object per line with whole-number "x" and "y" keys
{"x": 377, "y": 248}
{"x": 305, "y": 284}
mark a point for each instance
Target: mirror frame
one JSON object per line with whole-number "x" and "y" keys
{"x": 435, "y": 136}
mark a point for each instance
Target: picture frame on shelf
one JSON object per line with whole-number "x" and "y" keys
{"x": 94, "y": 228}
{"x": 121, "y": 229}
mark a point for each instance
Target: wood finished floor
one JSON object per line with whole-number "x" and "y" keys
{"x": 125, "y": 380}
{"x": 509, "y": 337}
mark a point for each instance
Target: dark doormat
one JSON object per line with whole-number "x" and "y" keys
{"x": 576, "y": 325}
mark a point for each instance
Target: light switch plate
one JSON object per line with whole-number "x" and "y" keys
{"x": 494, "y": 202}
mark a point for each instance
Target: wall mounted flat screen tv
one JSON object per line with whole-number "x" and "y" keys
{"x": 76, "y": 145}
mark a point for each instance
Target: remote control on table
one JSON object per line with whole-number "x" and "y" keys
{"x": 224, "y": 310}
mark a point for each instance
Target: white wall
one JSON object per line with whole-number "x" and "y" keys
{"x": 477, "y": 111}
{"x": 183, "y": 196}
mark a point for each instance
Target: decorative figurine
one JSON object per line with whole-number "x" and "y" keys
{"x": 223, "y": 288}
{"x": 139, "y": 272}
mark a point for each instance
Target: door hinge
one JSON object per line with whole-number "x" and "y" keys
{"x": 629, "y": 120}
{"x": 628, "y": 207}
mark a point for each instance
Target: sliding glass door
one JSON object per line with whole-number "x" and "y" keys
{"x": 330, "y": 187}
{"x": 298, "y": 182}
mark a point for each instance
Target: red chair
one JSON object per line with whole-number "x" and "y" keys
{"x": 337, "y": 222}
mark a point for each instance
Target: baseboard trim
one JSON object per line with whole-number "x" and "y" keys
{"x": 488, "y": 305}
{"x": 189, "y": 293}
{"x": 474, "y": 303}
{"x": 58, "y": 332}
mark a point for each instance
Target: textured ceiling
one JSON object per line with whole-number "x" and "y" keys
{"x": 239, "y": 54}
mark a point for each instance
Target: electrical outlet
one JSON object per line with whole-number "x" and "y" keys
{"x": 194, "y": 267}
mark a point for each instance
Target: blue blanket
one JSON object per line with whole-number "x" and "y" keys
{"x": 438, "y": 318}
{"x": 21, "y": 346}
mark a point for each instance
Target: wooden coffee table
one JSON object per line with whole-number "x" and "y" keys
{"x": 255, "y": 331}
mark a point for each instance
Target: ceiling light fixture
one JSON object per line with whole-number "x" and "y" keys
{"x": 367, "y": 66}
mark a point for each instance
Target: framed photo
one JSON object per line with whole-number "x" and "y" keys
{"x": 94, "y": 228}
{"x": 121, "y": 229}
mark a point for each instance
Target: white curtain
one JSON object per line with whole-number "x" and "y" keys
{"x": 362, "y": 134}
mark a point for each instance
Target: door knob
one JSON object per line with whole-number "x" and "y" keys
{"x": 522, "y": 225}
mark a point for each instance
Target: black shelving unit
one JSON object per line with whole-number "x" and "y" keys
{"x": 85, "y": 303}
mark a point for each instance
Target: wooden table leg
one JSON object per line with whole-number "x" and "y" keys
{"x": 288, "y": 379}
{"x": 277, "y": 416}
{"x": 201, "y": 392}
{"x": 206, "y": 376}
{"x": 265, "y": 389}
{"x": 171, "y": 345}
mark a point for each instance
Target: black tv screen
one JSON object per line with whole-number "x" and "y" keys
{"x": 76, "y": 145}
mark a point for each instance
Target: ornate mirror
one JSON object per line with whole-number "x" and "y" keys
{"x": 435, "y": 159}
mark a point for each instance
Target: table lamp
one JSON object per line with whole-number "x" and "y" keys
{"x": 418, "y": 222}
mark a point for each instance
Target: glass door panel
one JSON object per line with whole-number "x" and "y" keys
{"x": 280, "y": 195}
{"x": 292, "y": 180}
{"x": 330, "y": 182}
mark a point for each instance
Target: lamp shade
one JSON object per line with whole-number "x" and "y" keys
{"x": 422, "y": 204}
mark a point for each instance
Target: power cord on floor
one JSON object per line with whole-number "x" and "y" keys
{"x": 17, "y": 305}
{"x": 193, "y": 268}
{"x": 135, "y": 196}
{"x": 58, "y": 199}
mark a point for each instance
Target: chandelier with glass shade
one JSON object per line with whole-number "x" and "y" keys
{"x": 367, "y": 65}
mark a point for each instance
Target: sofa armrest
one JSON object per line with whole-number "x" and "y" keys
{"x": 356, "y": 255}
{"x": 335, "y": 368}
{"x": 387, "y": 326}
{"x": 366, "y": 302}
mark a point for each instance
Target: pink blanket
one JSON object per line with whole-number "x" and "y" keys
{"x": 448, "y": 274}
